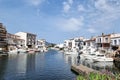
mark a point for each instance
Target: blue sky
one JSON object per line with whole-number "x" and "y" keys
{"x": 57, "y": 20}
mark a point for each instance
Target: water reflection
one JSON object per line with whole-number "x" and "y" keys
{"x": 71, "y": 59}
{"x": 40, "y": 66}
{"x": 3, "y": 62}
{"x": 101, "y": 66}
{"x": 21, "y": 64}
{"x": 30, "y": 63}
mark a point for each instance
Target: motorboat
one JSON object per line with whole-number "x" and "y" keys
{"x": 102, "y": 57}
{"x": 90, "y": 55}
{"x": 68, "y": 52}
{"x": 13, "y": 51}
{"x": 31, "y": 51}
{"x": 103, "y": 64}
{"x": 21, "y": 51}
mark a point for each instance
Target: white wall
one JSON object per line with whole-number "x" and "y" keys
{"x": 23, "y": 36}
{"x": 117, "y": 41}
{"x": 98, "y": 40}
{"x": 115, "y": 37}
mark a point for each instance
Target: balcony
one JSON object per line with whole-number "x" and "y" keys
{"x": 3, "y": 44}
{"x": 3, "y": 31}
{"x": 2, "y": 35}
{"x": 3, "y": 41}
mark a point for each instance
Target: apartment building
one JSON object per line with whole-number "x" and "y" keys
{"x": 115, "y": 41}
{"x": 30, "y": 39}
{"x": 3, "y": 41}
{"x": 73, "y": 44}
{"x": 14, "y": 42}
{"x": 103, "y": 41}
{"x": 90, "y": 42}
{"x": 41, "y": 45}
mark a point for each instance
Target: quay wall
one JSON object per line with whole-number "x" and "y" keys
{"x": 83, "y": 69}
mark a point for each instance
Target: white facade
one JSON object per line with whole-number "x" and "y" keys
{"x": 66, "y": 43}
{"x": 99, "y": 40}
{"x": 20, "y": 43}
{"x": 73, "y": 44}
{"x": 60, "y": 45}
{"x": 23, "y": 36}
{"x": 41, "y": 45}
{"x": 103, "y": 39}
{"x": 14, "y": 42}
{"x": 30, "y": 39}
{"x": 90, "y": 43}
{"x": 115, "y": 39}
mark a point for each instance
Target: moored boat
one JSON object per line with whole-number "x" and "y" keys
{"x": 13, "y": 51}
{"x": 31, "y": 51}
{"x": 100, "y": 58}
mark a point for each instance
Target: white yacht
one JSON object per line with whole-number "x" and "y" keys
{"x": 67, "y": 52}
{"x": 13, "y": 51}
{"x": 103, "y": 64}
{"x": 21, "y": 51}
{"x": 70, "y": 52}
{"x": 102, "y": 57}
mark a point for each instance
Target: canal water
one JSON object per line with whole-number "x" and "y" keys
{"x": 51, "y": 65}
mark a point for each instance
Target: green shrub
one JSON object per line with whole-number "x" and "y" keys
{"x": 97, "y": 76}
{"x": 117, "y": 77}
{"x": 80, "y": 77}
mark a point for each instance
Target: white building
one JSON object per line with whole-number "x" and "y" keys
{"x": 115, "y": 40}
{"x": 60, "y": 45}
{"x": 90, "y": 42}
{"x": 30, "y": 39}
{"x": 103, "y": 41}
{"x": 14, "y": 42}
{"x": 73, "y": 44}
{"x": 41, "y": 45}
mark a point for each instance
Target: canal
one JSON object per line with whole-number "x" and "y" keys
{"x": 51, "y": 65}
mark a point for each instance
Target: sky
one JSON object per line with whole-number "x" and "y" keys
{"x": 57, "y": 20}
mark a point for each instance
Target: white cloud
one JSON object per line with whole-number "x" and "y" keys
{"x": 103, "y": 5}
{"x": 104, "y": 18}
{"x": 91, "y": 30}
{"x": 35, "y": 2}
{"x": 100, "y": 15}
{"x": 81, "y": 8}
{"x": 71, "y": 24}
{"x": 66, "y": 7}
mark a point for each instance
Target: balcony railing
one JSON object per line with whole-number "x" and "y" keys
{"x": 3, "y": 44}
{"x": 3, "y": 41}
{"x": 2, "y": 35}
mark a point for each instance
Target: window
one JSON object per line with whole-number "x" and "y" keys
{"x": 115, "y": 42}
{"x": 112, "y": 42}
{"x": 119, "y": 41}
{"x": 100, "y": 40}
{"x": 106, "y": 39}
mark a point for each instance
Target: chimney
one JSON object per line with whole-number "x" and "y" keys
{"x": 102, "y": 34}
